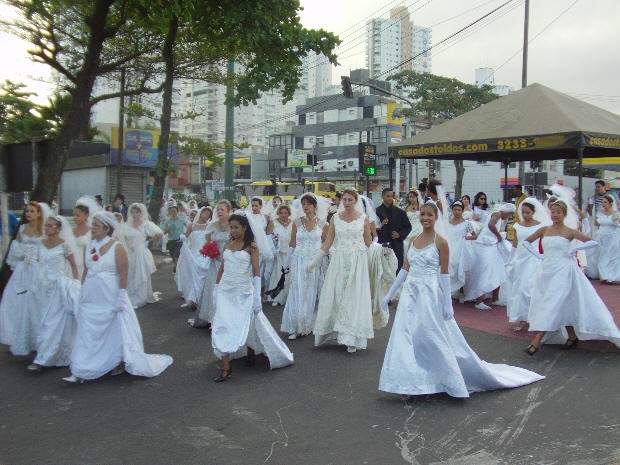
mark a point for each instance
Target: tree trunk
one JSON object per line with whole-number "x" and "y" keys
{"x": 77, "y": 120}
{"x": 458, "y": 185}
{"x": 162, "y": 168}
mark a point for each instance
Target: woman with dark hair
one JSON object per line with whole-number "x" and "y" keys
{"x": 263, "y": 220}
{"x": 108, "y": 337}
{"x": 306, "y": 236}
{"x": 239, "y": 321}
{"x": 468, "y": 212}
{"x": 563, "y": 300}
{"x": 481, "y": 208}
{"x": 281, "y": 230}
{"x": 20, "y": 309}
{"x": 427, "y": 352}
{"x": 608, "y": 221}
{"x": 83, "y": 212}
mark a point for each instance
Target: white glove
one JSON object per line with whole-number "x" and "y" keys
{"x": 585, "y": 245}
{"x": 375, "y": 239}
{"x": 121, "y": 300}
{"x": 400, "y": 279}
{"x": 257, "y": 305}
{"x": 287, "y": 261}
{"x": 214, "y": 296}
{"x": 445, "y": 297}
{"x": 530, "y": 248}
{"x": 182, "y": 237}
{"x": 315, "y": 260}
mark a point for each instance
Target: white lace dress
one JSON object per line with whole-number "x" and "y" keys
{"x": 521, "y": 272}
{"x": 235, "y": 325}
{"x": 301, "y": 305}
{"x": 609, "y": 238}
{"x": 105, "y": 336}
{"x": 206, "y": 309}
{"x": 345, "y": 313}
{"x": 141, "y": 266}
{"x": 60, "y": 296}
{"x": 563, "y": 296}
{"x": 425, "y": 353}
{"x": 20, "y": 308}
{"x": 281, "y": 237}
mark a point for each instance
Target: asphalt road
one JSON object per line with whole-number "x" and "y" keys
{"x": 325, "y": 409}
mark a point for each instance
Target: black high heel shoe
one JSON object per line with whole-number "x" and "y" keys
{"x": 223, "y": 376}
{"x": 570, "y": 344}
{"x": 531, "y": 349}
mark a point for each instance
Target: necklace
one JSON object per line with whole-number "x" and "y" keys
{"x": 95, "y": 251}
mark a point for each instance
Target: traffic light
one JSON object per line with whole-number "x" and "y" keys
{"x": 346, "y": 86}
{"x": 311, "y": 159}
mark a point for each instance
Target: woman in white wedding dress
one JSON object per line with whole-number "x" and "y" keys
{"x": 141, "y": 263}
{"x": 281, "y": 229}
{"x": 523, "y": 266}
{"x": 239, "y": 320}
{"x": 459, "y": 235}
{"x": 218, "y": 231}
{"x": 608, "y": 221}
{"x": 191, "y": 277}
{"x": 20, "y": 308}
{"x": 562, "y": 297}
{"x": 413, "y": 213}
{"x": 261, "y": 216}
{"x": 85, "y": 208}
{"x": 344, "y": 313}
{"x": 59, "y": 294}
{"x": 108, "y": 337}
{"x": 427, "y": 352}
{"x": 307, "y": 234}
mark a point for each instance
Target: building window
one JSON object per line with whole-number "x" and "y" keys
{"x": 302, "y": 119}
{"x": 368, "y": 112}
{"x": 320, "y": 117}
{"x": 299, "y": 142}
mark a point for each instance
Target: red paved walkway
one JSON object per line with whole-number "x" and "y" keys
{"x": 495, "y": 321}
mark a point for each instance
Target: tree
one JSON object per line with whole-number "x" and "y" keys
{"x": 264, "y": 37}
{"x": 439, "y": 97}
{"x": 77, "y": 40}
{"x": 20, "y": 117}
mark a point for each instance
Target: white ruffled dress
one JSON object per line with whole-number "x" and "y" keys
{"x": 142, "y": 266}
{"x": 609, "y": 239}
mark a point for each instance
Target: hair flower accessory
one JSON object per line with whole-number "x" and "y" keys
{"x": 210, "y": 250}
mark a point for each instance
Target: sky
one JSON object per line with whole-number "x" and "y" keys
{"x": 573, "y": 44}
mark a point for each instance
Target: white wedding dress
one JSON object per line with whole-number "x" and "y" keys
{"x": 142, "y": 266}
{"x": 283, "y": 235}
{"x": 521, "y": 272}
{"x": 106, "y": 337}
{"x": 196, "y": 265}
{"x": 416, "y": 227}
{"x": 459, "y": 253}
{"x": 235, "y": 325}
{"x": 206, "y": 309}
{"x": 20, "y": 309}
{"x": 563, "y": 296}
{"x": 301, "y": 304}
{"x": 609, "y": 238}
{"x": 345, "y": 313}
{"x": 425, "y": 353}
{"x": 81, "y": 242}
{"x": 60, "y": 297}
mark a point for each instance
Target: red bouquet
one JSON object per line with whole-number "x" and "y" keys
{"x": 210, "y": 250}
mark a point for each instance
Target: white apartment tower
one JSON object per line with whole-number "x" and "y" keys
{"x": 396, "y": 44}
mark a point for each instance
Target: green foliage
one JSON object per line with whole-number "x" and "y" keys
{"x": 441, "y": 97}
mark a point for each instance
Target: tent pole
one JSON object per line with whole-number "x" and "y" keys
{"x": 505, "y": 180}
{"x": 580, "y": 161}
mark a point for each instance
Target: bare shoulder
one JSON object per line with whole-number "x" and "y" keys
{"x": 441, "y": 241}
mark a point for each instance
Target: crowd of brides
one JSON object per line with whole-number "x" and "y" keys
{"x": 334, "y": 267}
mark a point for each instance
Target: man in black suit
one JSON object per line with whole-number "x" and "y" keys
{"x": 394, "y": 225}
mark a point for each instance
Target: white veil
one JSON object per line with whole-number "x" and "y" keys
{"x": 266, "y": 207}
{"x": 567, "y": 195}
{"x": 89, "y": 202}
{"x": 322, "y": 206}
{"x": 197, "y": 217}
{"x": 540, "y": 212}
{"x": 143, "y": 213}
{"x": 46, "y": 211}
{"x": 369, "y": 209}
{"x": 66, "y": 233}
{"x": 260, "y": 237}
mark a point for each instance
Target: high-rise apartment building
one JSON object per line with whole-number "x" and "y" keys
{"x": 396, "y": 44}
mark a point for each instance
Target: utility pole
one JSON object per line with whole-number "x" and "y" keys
{"x": 526, "y": 22}
{"x": 121, "y": 135}
{"x": 229, "y": 137}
